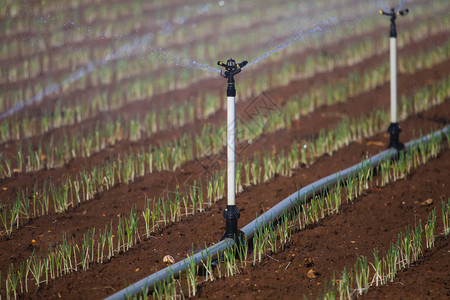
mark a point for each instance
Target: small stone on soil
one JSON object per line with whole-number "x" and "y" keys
{"x": 312, "y": 274}
{"x": 427, "y": 202}
{"x": 168, "y": 259}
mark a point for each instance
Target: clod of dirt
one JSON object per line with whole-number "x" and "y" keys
{"x": 168, "y": 259}
{"x": 427, "y": 202}
{"x": 308, "y": 262}
{"x": 312, "y": 274}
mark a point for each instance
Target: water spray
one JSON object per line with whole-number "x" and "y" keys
{"x": 320, "y": 27}
{"x": 394, "y": 129}
{"x": 231, "y": 213}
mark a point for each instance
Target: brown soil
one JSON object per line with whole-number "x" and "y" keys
{"x": 309, "y": 125}
{"x": 427, "y": 279}
{"x": 333, "y": 243}
{"x": 207, "y": 227}
{"x": 120, "y": 199}
{"x": 372, "y": 221}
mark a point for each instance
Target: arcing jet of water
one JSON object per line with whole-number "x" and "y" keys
{"x": 400, "y": 6}
{"x": 138, "y": 45}
{"x": 183, "y": 61}
{"x": 384, "y": 5}
{"x": 125, "y": 50}
{"x": 300, "y": 35}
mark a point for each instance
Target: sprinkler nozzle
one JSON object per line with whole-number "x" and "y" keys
{"x": 242, "y": 64}
{"x": 403, "y": 12}
{"x": 393, "y": 14}
{"x": 390, "y": 13}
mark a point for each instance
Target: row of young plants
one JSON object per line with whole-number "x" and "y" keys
{"x": 178, "y": 16}
{"x": 251, "y": 170}
{"x": 60, "y": 34}
{"x": 326, "y": 35}
{"x": 13, "y": 21}
{"x": 143, "y": 89}
{"x": 161, "y": 84}
{"x": 424, "y": 59}
{"x": 54, "y": 56}
{"x": 25, "y": 91}
{"x": 251, "y": 130}
{"x": 69, "y": 257}
{"x": 163, "y": 159}
{"x": 274, "y": 237}
{"x": 69, "y": 114}
{"x": 72, "y": 114}
{"x": 97, "y": 246}
{"x": 331, "y": 94}
{"x": 84, "y": 143}
{"x": 400, "y": 255}
{"x": 114, "y": 131}
{"x": 328, "y": 202}
{"x": 353, "y": 54}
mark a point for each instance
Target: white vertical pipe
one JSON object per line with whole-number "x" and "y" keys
{"x": 230, "y": 151}
{"x": 393, "y": 55}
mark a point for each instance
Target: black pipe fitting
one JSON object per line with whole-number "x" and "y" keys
{"x": 394, "y": 132}
{"x": 231, "y": 215}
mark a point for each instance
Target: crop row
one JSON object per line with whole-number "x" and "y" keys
{"x": 138, "y": 90}
{"x": 167, "y": 81}
{"x": 273, "y": 237}
{"x": 251, "y": 170}
{"x": 234, "y": 18}
{"x": 13, "y": 14}
{"x": 55, "y": 52}
{"x": 166, "y": 158}
{"x": 68, "y": 256}
{"x": 120, "y": 18}
{"x": 56, "y": 154}
{"x": 408, "y": 248}
{"x": 66, "y": 65}
{"x": 95, "y": 140}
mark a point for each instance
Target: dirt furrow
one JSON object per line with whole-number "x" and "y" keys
{"x": 196, "y": 231}
{"x": 372, "y": 222}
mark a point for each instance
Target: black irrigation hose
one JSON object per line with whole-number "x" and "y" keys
{"x": 270, "y": 216}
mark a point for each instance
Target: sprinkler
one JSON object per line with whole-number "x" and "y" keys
{"x": 231, "y": 213}
{"x": 394, "y": 129}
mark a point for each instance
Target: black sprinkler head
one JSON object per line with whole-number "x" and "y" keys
{"x": 393, "y": 16}
{"x": 231, "y": 64}
{"x": 231, "y": 68}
